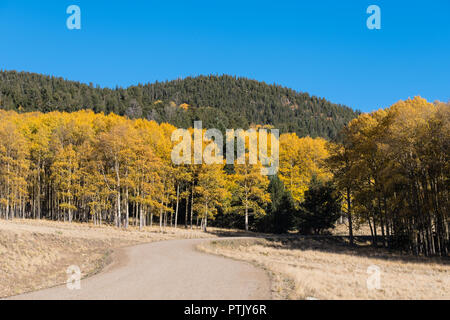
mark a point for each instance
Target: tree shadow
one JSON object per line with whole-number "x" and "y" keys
{"x": 340, "y": 245}
{"x": 234, "y": 233}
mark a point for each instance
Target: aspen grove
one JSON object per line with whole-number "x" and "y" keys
{"x": 389, "y": 170}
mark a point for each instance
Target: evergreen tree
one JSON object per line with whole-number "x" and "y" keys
{"x": 281, "y": 212}
{"x": 219, "y": 101}
{"x": 320, "y": 210}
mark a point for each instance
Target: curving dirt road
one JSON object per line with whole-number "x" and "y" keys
{"x": 171, "y": 270}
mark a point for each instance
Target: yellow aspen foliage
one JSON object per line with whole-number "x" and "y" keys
{"x": 393, "y": 167}
{"x": 301, "y": 159}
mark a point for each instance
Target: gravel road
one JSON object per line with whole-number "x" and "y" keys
{"x": 167, "y": 270}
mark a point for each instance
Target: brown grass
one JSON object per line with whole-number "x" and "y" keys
{"x": 325, "y": 268}
{"x": 36, "y": 254}
{"x": 358, "y": 230}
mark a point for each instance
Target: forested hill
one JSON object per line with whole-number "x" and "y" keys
{"x": 219, "y": 101}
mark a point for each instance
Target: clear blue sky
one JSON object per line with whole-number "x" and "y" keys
{"x": 321, "y": 47}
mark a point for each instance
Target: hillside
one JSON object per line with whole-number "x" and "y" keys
{"x": 219, "y": 101}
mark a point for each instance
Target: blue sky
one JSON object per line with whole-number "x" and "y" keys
{"x": 321, "y": 47}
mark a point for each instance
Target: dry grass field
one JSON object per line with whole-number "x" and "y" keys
{"x": 342, "y": 230}
{"x": 326, "y": 268}
{"x": 36, "y": 254}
